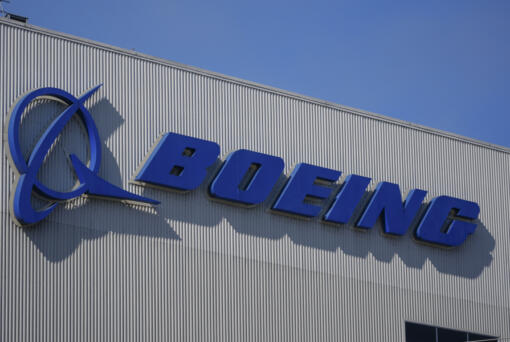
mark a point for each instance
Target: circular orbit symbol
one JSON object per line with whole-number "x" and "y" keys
{"x": 90, "y": 182}
{"x": 50, "y": 135}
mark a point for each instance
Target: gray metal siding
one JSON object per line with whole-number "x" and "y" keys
{"x": 196, "y": 269}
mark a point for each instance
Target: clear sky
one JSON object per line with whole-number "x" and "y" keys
{"x": 443, "y": 64}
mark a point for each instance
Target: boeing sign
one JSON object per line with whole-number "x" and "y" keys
{"x": 246, "y": 178}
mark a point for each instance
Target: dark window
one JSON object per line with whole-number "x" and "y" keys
{"x": 426, "y": 333}
{"x": 477, "y": 337}
{"x": 420, "y": 333}
{"x": 447, "y": 335}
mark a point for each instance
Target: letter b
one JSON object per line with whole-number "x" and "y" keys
{"x": 179, "y": 162}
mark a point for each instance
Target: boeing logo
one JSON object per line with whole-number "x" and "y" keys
{"x": 27, "y": 182}
{"x": 245, "y": 178}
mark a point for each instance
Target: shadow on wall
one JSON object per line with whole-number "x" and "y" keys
{"x": 467, "y": 260}
{"x": 58, "y": 241}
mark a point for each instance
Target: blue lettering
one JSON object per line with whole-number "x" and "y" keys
{"x": 300, "y": 185}
{"x": 247, "y": 177}
{"x": 431, "y": 225}
{"x": 179, "y": 162}
{"x": 347, "y": 199}
{"x": 397, "y": 217}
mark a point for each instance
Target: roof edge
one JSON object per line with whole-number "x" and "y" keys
{"x": 216, "y": 75}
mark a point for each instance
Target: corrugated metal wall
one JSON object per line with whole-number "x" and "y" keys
{"x": 196, "y": 269}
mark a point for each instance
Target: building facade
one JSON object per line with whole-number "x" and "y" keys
{"x": 202, "y": 267}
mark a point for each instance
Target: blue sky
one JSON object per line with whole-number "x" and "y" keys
{"x": 443, "y": 64}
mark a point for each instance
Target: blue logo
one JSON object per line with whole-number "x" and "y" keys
{"x": 89, "y": 181}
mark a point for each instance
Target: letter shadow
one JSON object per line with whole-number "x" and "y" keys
{"x": 467, "y": 260}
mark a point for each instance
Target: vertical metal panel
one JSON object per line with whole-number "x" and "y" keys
{"x": 195, "y": 269}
